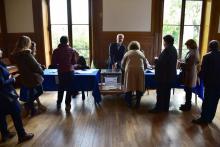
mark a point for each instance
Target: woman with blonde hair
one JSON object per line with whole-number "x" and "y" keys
{"x": 30, "y": 73}
{"x": 190, "y": 72}
{"x": 134, "y": 63}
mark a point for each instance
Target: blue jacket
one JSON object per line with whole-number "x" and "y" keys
{"x": 7, "y": 91}
{"x": 116, "y": 53}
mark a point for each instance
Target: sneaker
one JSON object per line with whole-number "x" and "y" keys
{"x": 26, "y": 137}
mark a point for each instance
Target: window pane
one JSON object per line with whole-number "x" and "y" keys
{"x": 193, "y": 12}
{"x": 172, "y": 12}
{"x": 190, "y": 32}
{"x": 81, "y": 39}
{"x": 80, "y": 11}
{"x": 58, "y": 11}
{"x": 174, "y": 31}
{"x": 56, "y": 32}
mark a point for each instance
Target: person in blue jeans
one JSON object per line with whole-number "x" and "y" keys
{"x": 10, "y": 105}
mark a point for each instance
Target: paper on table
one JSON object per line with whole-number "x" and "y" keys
{"x": 84, "y": 71}
{"x": 111, "y": 81}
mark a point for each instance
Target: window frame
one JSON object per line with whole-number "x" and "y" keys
{"x": 70, "y": 24}
{"x": 182, "y": 25}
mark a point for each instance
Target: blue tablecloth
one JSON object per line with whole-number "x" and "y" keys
{"x": 150, "y": 83}
{"x": 84, "y": 80}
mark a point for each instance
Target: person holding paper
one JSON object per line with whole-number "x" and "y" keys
{"x": 116, "y": 53}
{"x": 134, "y": 63}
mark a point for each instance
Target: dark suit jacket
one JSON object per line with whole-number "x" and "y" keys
{"x": 116, "y": 53}
{"x": 165, "y": 69}
{"x": 210, "y": 70}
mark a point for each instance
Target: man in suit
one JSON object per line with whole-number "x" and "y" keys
{"x": 116, "y": 52}
{"x": 165, "y": 74}
{"x": 209, "y": 73}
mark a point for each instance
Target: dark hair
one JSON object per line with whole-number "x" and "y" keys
{"x": 214, "y": 45}
{"x": 64, "y": 39}
{"x": 33, "y": 44}
{"x": 168, "y": 39}
{"x": 134, "y": 45}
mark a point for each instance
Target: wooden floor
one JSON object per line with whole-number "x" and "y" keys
{"x": 113, "y": 124}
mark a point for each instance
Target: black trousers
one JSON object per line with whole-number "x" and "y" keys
{"x": 12, "y": 108}
{"x": 163, "y": 97}
{"x": 210, "y": 103}
{"x": 65, "y": 83}
{"x": 188, "y": 91}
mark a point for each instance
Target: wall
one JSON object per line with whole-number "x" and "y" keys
{"x": 149, "y": 40}
{"x": 22, "y": 18}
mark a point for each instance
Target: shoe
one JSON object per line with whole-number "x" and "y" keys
{"x": 42, "y": 108}
{"x": 8, "y": 136}
{"x": 68, "y": 107}
{"x": 200, "y": 121}
{"x": 155, "y": 110}
{"x": 26, "y": 137}
{"x": 185, "y": 107}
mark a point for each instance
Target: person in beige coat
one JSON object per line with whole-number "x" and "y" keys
{"x": 190, "y": 70}
{"x": 133, "y": 64}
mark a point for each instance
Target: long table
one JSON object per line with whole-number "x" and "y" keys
{"x": 84, "y": 80}
{"x": 150, "y": 83}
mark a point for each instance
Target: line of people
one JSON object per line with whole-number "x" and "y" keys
{"x": 133, "y": 64}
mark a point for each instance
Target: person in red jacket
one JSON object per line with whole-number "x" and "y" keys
{"x": 64, "y": 59}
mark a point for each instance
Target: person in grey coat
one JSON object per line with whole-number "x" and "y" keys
{"x": 165, "y": 74}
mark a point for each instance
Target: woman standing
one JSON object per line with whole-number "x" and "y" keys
{"x": 10, "y": 105}
{"x": 190, "y": 72}
{"x": 30, "y": 73}
{"x": 133, "y": 63}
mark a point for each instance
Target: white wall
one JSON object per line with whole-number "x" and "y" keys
{"x": 127, "y": 15}
{"x": 19, "y": 16}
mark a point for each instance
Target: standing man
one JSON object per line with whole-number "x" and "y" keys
{"x": 209, "y": 73}
{"x": 165, "y": 74}
{"x": 64, "y": 58}
{"x": 116, "y": 52}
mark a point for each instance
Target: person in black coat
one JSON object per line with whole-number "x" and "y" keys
{"x": 210, "y": 71}
{"x": 10, "y": 105}
{"x": 116, "y": 53}
{"x": 165, "y": 74}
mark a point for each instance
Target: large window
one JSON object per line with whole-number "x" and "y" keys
{"x": 71, "y": 18}
{"x": 182, "y": 19}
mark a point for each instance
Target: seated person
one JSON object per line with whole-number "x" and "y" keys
{"x": 10, "y": 105}
{"x": 80, "y": 62}
{"x": 116, "y": 53}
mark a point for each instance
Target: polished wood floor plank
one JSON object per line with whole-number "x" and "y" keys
{"x": 113, "y": 124}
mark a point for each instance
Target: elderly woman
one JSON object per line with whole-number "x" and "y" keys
{"x": 190, "y": 72}
{"x": 133, "y": 63}
{"x": 9, "y": 105}
{"x": 30, "y": 73}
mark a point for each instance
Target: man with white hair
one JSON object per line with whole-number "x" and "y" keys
{"x": 116, "y": 52}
